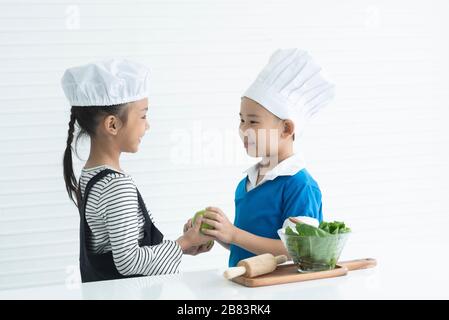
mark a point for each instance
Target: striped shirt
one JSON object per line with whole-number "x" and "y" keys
{"x": 116, "y": 222}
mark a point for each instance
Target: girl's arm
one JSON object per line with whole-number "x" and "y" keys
{"x": 224, "y": 231}
{"x": 118, "y": 207}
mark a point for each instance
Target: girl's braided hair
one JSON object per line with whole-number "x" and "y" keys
{"x": 87, "y": 119}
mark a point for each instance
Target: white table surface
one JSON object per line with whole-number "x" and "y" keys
{"x": 406, "y": 270}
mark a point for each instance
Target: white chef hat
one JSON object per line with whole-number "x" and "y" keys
{"x": 106, "y": 83}
{"x": 291, "y": 86}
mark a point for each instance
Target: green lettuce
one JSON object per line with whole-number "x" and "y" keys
{"x": 315, "y": 248}
{"x": 324, "y": 230}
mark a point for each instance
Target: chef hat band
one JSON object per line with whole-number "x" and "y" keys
{"x": 106, "y": 83}
{"x": 292, "y": 86}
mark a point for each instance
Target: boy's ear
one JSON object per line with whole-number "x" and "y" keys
{"x": 288, "y": 129}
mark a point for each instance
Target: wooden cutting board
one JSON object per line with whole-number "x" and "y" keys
{"x": 289, "y": 273}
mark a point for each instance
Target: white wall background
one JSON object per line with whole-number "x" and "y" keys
{"x": 379, "y": 152}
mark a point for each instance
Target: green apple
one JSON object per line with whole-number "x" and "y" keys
{"x": 203, "y": 225}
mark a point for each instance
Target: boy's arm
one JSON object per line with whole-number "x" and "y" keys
{"x": 223, "y": 244}
{"x": 258, "y": 245}
{"x": 226, "y": 233}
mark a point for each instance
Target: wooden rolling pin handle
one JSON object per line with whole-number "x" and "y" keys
{"x": 359, "y": 264}
{"x": 281, "y": 259}
{"x": 234, "y": 272}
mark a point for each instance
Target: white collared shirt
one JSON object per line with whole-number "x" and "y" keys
{"x": 288, "y": 167}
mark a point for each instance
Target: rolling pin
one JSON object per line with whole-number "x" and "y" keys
{"x": 255, "y": 266}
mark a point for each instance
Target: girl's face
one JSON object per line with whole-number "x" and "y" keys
{"x": 130, "y": 135}
{"x": 259, "y": 129}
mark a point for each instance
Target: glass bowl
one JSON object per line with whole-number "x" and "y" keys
{"x": 313, "y": 253}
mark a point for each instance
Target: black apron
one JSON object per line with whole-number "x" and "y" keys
{"x": 97, "y": 267}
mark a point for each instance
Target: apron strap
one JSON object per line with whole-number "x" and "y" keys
{"x": 84, "y": 227}
{"x": 89, "y": 186}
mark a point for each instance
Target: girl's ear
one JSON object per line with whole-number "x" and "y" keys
{"x": 288, "y": 128}
{"x": 112, "y": 124}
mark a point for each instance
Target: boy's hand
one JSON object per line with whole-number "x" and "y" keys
{"x": 189, "y": 225}
{"x": 224, "y": 231}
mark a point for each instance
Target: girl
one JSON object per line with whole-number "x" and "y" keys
{"x": 118, "y": 238}
{"x": 273, "y": 112}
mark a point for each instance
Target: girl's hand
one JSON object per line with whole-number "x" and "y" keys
{"x": 187, "y": 225}
{"x": 196, "y": 249}
{"x": 224, "y": 231}
{"x": 192, "y": 238}
{"x": 204, "y": 247}
{"x": 193, "y": 251}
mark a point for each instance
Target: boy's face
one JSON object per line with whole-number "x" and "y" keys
{"x": 260, "y": 130}
{"x": 132, "y": 132}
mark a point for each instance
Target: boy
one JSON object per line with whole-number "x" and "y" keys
{"x": 273, "y": 113}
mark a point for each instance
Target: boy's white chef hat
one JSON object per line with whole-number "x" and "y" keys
{"x": 292, "y": 86}
{"x": 106, "y": 83}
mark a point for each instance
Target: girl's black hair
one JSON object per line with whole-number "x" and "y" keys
{"x": 87, "y": 119}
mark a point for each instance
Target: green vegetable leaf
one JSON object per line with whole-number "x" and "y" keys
{"x": 289, "y": 231}
{"x": 306, "y": 230}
